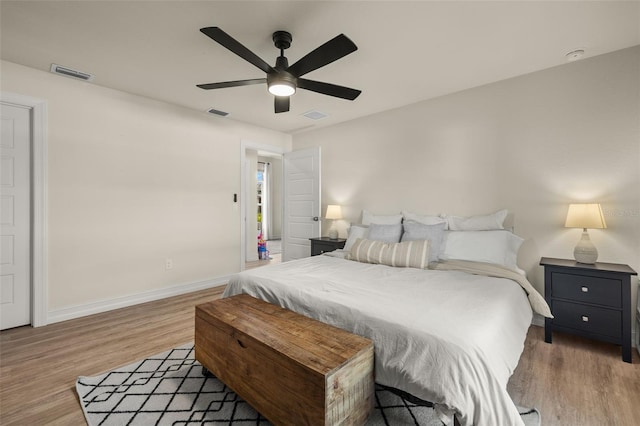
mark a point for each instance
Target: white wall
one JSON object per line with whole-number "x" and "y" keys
{"x": 133, "y": 181}
{"x": 531, "y": 144}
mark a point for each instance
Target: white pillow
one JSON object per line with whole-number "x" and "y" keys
{"x": 499, "y": 247}
{"x": 477, "y": 223}
{"x": 368, "y": 218}
{"x": 425, "y": 220}
{"x": 355, "y": 232}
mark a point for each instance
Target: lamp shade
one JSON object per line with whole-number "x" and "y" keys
{"x": 333, "y": 212}
{"x": 587, "y": 216}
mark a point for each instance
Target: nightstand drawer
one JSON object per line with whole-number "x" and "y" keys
{"x": 587, "y": 289}
{"x": 587, "y": 318}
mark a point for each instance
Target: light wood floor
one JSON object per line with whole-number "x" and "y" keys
{"x": 573, "y": 382}
{"x": 275, "y": 258}
{"x": 39, "y": 366}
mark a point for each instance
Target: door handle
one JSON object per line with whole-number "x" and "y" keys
{"x": 315, "y": 218}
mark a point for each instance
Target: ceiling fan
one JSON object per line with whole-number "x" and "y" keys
{"x": 283, "y": 80}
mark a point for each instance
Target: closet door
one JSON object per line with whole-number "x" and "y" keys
{"x": 15, "y": 250}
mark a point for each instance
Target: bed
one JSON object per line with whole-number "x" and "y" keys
{"x": 451, "y": 335}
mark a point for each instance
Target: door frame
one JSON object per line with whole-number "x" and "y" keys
{"x": 39, "y": 194}
{"x": 244, "y": 145}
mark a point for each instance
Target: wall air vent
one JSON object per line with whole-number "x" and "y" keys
{"x": 68, "y": 72}
{"x": 217, "y": 112}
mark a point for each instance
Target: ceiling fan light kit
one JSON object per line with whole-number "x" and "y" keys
{"x": 281, "y": 84}
{"x": 283, "y": 80}
{"x": 282, "y": 88}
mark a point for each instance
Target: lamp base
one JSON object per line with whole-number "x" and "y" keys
{"x": 585, "y": 251}
{"x": 333, "y": 233}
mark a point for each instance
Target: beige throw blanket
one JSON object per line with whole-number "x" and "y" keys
{"x": 537, "y": 302}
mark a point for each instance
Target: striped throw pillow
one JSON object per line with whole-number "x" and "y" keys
{"x": 411, "y": 254}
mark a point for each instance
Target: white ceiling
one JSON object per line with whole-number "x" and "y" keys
{"x": 407, "y": 51}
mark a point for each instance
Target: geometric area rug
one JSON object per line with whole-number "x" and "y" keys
{"x": 170, "y": 389}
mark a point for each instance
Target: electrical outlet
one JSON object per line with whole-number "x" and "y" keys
{"x": 168, "y": 264}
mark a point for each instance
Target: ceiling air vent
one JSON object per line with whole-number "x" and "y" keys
{"x": 68, "y": 72}
{"x": 217, "y": 112}
{"x": 315, "y": 115}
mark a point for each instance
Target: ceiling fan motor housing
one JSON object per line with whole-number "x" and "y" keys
{"x": 281, "y": 63}
{"x": 280, "y": 75}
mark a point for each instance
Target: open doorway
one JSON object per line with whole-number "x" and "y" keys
{"x": 268, "y": 209}
{"x": 261, "y": 205}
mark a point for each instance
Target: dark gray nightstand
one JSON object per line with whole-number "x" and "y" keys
{"x": 593, "y": 301}
{"x": 325, "y": 244}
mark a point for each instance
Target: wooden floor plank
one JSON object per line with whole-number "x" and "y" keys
{"x": 573, "y": 382}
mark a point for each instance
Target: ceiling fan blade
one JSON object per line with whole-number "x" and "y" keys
{"x": 332, "y": 50}
{"x": 329, "y": 89}
{"x": 282, "y": 103}
{"x": 219, "y": 36}
{"x": 236, "y": 83}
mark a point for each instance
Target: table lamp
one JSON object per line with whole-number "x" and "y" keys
{"x": 585, "y": 216}
{"x": 334, "y": 213}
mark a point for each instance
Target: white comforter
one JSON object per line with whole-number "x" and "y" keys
{"x": 444, "y": 336}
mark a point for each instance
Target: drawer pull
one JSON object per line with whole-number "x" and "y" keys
{"x": 244, "y": 347}
{"x": 585, "y": 318}
{"x": 585, "y": 289}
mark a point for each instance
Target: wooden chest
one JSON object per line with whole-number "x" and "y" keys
{"x": 292, "y": 369}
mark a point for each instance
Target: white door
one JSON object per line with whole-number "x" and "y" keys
{"x": 15, "y": 214}
{"x": 301, "y": 202}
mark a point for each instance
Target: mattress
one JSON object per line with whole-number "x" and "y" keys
{"x": 447, "y": 337}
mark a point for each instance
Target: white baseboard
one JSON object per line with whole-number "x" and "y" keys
{"x": 122, "y": 302}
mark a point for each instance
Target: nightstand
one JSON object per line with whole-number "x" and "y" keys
{"x": 638, "y": 322}
{"x": 592, "y": 301}
{"x": 325, "y": 244}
